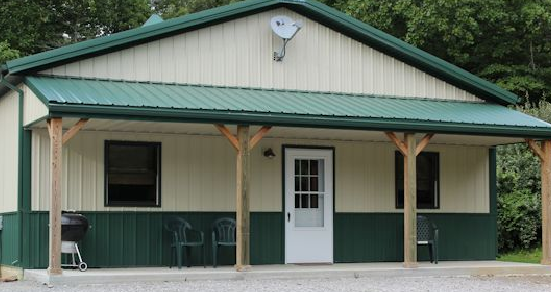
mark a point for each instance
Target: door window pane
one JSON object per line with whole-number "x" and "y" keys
{"x": 304, "y": 169}
{"x": 313, "y": 200}
{"x": 314, "y": 184}
{"x": 304, "y": 184}
{"x": 314, "y": 167}
{"x": 304, "y": 201}
{"x": 309, "y": 182}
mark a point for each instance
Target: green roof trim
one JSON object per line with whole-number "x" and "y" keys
{"x": 209, "y": 104}
{"x": 324, "y": 14}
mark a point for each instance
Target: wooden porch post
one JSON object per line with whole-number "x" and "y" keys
{"x": 242, "y": 260}
{"x": 410, "y": 149}
{"x": 57, "y": 139}
{"x": 56, "y": 143}
{"x": 243, "y": 145}
{"x": 544, "y": 154}
{"x": 410, "y": 202}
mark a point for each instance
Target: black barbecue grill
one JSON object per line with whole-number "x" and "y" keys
{"x": 73, "y": 229}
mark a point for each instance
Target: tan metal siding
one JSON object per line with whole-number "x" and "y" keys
{"x": 365, "y": 178}
{"x": 33, "y": 108}
{"x": 9, "y": 106}
{"x": 239, "y": 53}
{"x": 198, "y": 174}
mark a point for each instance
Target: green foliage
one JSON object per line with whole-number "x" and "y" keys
{"x": 519, "y": 190}
{"x": 532, "y": 256}
{"x": 505, "y": 41}
{"x": 6, "y": 53}
{"x": 172, "y": 8}
{"x": 518, "y": 170}
{"x": 33, "y": 26}
{"x": 78, "y": 20}
{"x": 518, "y": 220}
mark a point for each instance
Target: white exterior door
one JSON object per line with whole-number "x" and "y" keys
{"x": 308, "y": 205}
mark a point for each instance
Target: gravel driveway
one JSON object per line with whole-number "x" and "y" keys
{"x": 447, "y": 284}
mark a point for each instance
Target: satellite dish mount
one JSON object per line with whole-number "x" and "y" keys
{"x": 286, "y": 28}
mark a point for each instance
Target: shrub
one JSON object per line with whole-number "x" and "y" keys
{"x": 519, "y": 190}
{"x": 519, "y": 220}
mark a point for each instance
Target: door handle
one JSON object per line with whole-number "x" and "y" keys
{"x": 288, "y": 216}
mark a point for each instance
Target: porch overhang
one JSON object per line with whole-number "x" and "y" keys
{"x": 86, "y": 98}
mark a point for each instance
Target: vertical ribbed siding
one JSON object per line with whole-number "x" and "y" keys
{"x": 9, "y": 240}
{"x": 198, "y": 174}
{"x": 378, "y": 237}
{"x": 364, "y": 178}
{"x": 8, "y": 151}
{"x": 33, "y": 108}
{"x": 126, "y": 239}
{"x": 240, "y": 52}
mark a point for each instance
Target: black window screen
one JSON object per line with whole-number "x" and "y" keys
{"x": 132, "y": 173}
{"x": 428, "y": 182}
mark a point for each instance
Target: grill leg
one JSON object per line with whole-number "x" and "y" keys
{"x": 78, "y": 253}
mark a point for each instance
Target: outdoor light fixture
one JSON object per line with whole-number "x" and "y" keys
{"x": 269, "y": 153}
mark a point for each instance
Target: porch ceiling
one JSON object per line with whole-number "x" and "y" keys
{"x": 129, "y": 126}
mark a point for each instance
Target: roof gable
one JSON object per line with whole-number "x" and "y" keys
{"x": 239, "y": 53}
{"x": 328, "y": 16}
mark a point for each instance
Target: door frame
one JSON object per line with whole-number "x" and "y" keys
{"x": 312, "y": 147}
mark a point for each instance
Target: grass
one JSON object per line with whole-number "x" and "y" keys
{"x": 522, "y": 256}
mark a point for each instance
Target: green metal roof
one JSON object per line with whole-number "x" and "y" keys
{"x": 195, "y": 103}
{"x": 313, "y": 9}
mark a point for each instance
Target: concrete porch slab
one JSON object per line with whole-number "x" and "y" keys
{"x": 443, "y": 269}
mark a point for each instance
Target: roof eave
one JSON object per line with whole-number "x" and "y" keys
{"x": 293, "y": 120}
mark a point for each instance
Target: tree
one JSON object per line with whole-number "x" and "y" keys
{"x": 33, "y": 26}
{"x": 519, "y": 190}
{"x": 6, "y": 53}
{"x": 173, "y": 8}
{"x": 505, "y": 41}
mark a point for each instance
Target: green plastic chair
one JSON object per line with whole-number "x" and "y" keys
{"x": 427, "y": 234}
{"x": 223, "y": 234}
{"x": 184, "y": 237}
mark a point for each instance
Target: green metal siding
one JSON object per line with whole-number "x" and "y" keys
{"x": 9, "y": 240}
{"x": 122, "y": 239}
{"x": 374, "y": 237}
{"x": 117, "y": 99}
{"x": 378, "y": 237}
{"x": 322, "y": 13}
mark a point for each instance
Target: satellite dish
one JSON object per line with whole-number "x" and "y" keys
{"x": 286, "y": 28}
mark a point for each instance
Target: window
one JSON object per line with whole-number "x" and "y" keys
{"x": 428, "y": 182}
{"x": 132, "y": 173}
{"x": 309, "y": 192}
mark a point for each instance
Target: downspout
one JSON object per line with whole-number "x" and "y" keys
{"x": 20, "y": 196}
